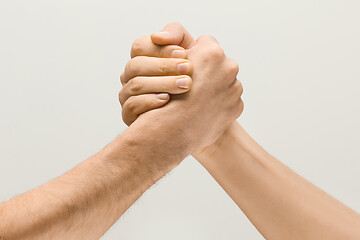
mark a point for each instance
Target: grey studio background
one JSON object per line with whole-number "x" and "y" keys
{"x": 60, "y": 63}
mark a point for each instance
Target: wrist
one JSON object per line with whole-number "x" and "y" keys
{"x": 234, "y": 141}
{"x": 151, "y": 143}
{"x": 221, "y": 147}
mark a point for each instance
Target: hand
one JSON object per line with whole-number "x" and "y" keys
{"x": 202, "y": 115}
{"x": 149, "y": 78}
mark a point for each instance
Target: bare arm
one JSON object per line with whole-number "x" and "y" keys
{"x": 86, "y": 201}
{"x": 280, "y": 203}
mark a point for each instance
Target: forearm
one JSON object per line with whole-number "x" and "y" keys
{"x": 86, "y": 201}
{"x": 280, "y": 203}
{"x": 67, "y": 207}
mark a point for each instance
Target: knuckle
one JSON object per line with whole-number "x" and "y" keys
{"x": 134, "y": 86}
{"x": 163, "y": 67}
{"x": 125, "y": 118}
{"x": 238, "y": 88}
{"x": 138, "y": 46}
{"x": 130, "y": 106}
{"x": 215, "y": 51}
{"x": 241, "y": 89}
{"x": 239, "y": 108}
{"x": 233, "y": 67}
{"x": 131, "y": 66}
{"x": 120, "y": 96}
{"x": 128, "y": 67}
{"x": 202, "y": 38}
{"x": 241, "y": 105}
{"x": 207, "y": 38}
{"x": 122, "y": 78}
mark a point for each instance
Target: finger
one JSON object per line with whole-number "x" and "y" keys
{"x": 166, "y": 84}
{"x": 173, "y": 33}
{"x": 151, "y": 66}
{"x": 145, "y": 47}
{"x": 137, "y": 105}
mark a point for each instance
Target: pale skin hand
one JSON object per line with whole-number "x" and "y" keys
{"x": 280, "y": 203}
{"x": 217, "y": 107}
{"x": 162, "y": 77}
{"x": 84, "y": 202}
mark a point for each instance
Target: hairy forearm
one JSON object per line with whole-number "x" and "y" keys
{"x": 280, "y": 203}
{"x": 86, "y": 201}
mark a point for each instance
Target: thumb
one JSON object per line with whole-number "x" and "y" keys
{"x": 174, "y": 34}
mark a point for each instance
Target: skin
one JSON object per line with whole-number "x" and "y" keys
{"x": 280, "y": 203}
{"x": 216, "y": 73}
{"x": 84, "y": 202}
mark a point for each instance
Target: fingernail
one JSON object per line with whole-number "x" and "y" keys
{"x": 184, "y": 68}
{"x": 183, "y": 83}
{"x": 178, "y": 54}
{"x": 161, "y": 34}
{"x": 162, "y": 96}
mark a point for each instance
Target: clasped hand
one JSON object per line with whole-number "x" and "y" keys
{"x": 172, "y": 62}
